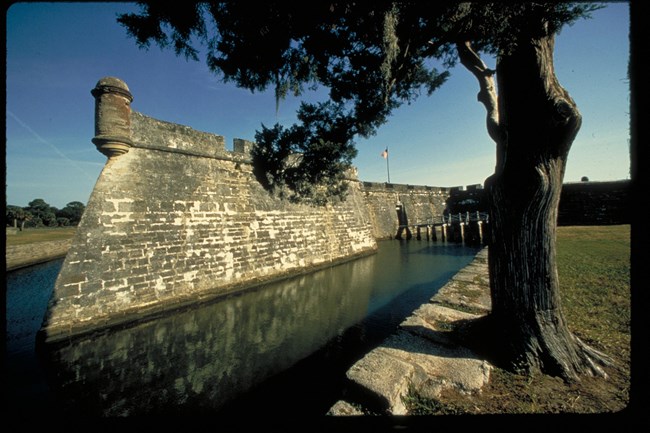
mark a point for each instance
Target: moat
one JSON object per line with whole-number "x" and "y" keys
{"x": 283, "y": 344}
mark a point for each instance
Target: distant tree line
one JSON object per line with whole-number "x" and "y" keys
{"x": 39, "y": 213}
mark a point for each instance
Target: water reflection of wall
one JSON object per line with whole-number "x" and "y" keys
{"x": 193, "y": 361}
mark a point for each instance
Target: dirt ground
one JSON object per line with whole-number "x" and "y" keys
{"x": 513, "y": 394}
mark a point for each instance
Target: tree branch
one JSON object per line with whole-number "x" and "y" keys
{"x": 487, "y": 95}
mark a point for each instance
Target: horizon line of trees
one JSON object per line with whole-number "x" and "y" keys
{"x": 38, "y": 213}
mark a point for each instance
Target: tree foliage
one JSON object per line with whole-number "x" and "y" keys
{"x": 72, "y": 212}
{"x": 43, "y": 213}
{"x": 372, "y": 56}
{"x": 38, "y": 213}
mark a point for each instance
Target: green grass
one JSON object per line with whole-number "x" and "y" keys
{"x": 32, "y": 235}
{"x": 594, "y": 271}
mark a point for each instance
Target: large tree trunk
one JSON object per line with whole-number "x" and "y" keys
{"x": 537, "y": 122}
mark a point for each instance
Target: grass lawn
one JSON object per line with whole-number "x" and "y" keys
{"x": 32, "y": 235}
{"x": 594, "y": 272}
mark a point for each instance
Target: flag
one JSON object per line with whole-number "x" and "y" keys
{"x": 384, "y": 154}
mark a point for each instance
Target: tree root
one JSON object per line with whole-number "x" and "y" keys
{"x": 594, "y": 359}
{"x": 560, "y": 354}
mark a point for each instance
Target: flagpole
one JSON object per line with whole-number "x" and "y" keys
{"x": 387, "y": 167}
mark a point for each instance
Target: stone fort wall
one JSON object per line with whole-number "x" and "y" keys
{"x": 581, "y": 203}
{"x": 175, "y": 219}
{"x": 422, "y": 204}
{"x": 595, "y": 203}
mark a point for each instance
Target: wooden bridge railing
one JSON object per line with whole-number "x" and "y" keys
{"x": 465, "y": 227}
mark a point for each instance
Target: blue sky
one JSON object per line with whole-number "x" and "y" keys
{"x": 56, "y": 52}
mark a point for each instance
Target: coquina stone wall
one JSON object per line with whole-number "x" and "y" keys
{"x": 581, "y": 203}
{"x": 175, "y": 218}
{"x": 421, "y": 204}
{"x": 18, "y": 256}
{"x": 595, "y": 203}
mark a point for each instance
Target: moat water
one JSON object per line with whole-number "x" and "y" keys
{"x": 283, "y": 347}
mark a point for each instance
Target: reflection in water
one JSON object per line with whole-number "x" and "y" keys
{"x": 26, "y": 303}
{"x": 195, "y": 361}
{"x": 27, "y": 293}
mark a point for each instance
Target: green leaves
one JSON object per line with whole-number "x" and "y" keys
{"x": 307, "y": 162}
{"x": 373, "y": 56}
{"x": 168, "y": 26}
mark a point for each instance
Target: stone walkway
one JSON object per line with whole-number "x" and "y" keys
{"x": 420, "y": 355}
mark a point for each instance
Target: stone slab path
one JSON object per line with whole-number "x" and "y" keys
{"x": 420, "y": 355}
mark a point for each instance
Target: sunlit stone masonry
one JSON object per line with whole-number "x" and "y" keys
{"x": 176, "y": 219}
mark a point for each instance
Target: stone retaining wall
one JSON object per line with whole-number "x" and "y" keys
{"x": 19, "y": 256}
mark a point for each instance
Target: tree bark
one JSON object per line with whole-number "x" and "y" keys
{"x": 537, "y": 123}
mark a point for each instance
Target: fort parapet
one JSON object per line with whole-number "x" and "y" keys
{"x": 175, "y": 219}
